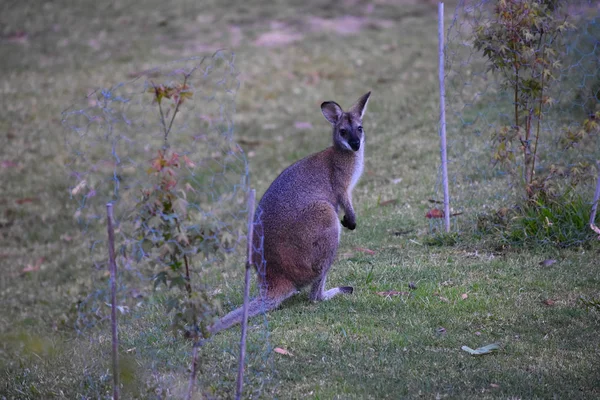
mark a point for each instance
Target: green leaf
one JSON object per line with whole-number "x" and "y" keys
{"x": 159, "y": 278}
{"x": 178, "y": 281}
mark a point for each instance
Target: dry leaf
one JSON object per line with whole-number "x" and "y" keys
{"x": 548, "y": 302}
{"x": 281, "y": 351}
{"x": 303, "y": 125}
{"x": 437, "y": 213}
{"x": 25, "y": 200}
{"x": 34, "y": 267}
{"x": 494, "y": 385}
{"x": 78, "y": 188}
{"x": 442, "y": 298}
{"x": 481, "y": 350}
{"x": 464, "y": 296}
{"x": 8, "y": 164}
{"x": 390, "y": 293}
{"x": 434, "y": 213}
{"x": 364, "y": 250}
{"x": 392, "y": 202}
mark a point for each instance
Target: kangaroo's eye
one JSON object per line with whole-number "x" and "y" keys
{"x": 343, "y": 132}
{"x": 360, "y": 129}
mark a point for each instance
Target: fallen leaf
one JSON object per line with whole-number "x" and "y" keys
{"x": 17, "y": 37}
{"x": 481, "y": 350}
{"x": 390, "y": 293}
{"x": 78, "y": 187}
{"x": 34, "y": 267}
{"x": 303, "y": 125}
{"x": 494, "y": 385}
{"x": 464, "y": 296}
{"x": 25, "y": 200}
{"x": 8, "y": 164}
{"x": 364, "y": 250}
{"x": 442, "y": 298}
{"x": 548, "y": 302}
{"x": 66, "y": 237}
{"x": 281, "y": 351}
{"x": 434, "y": 213}
{"x": 547, "y": 263}
{"x": 437, "y": 213}
{"x": 441, "y": 331}
{"x": 396, "y": 181}
{"x": 391, "y": 202}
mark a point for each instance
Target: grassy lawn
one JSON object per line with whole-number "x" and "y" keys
{"x": 472, "y": 290}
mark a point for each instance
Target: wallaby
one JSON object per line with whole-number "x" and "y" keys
{"x": 296, "y": 223}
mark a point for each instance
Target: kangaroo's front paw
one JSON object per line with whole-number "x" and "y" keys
{"x": 350, "y": 224}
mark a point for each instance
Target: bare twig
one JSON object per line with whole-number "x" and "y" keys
{"x": 167, "y": 129}
{"x": 539, "y": 117}
{"x": 113, "y": 300}
{"x": 240, "y": 378}
{"x": 188, "y": 281}
{"x": 179, "y": 101}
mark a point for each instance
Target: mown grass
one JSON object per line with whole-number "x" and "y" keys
{"x": 359, "y": 346}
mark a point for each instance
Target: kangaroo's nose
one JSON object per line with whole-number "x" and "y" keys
{"x": 355, "y": 144}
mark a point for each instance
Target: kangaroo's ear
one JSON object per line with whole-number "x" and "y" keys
{"x": 332, "y": 111}
{"x": 360, "y": 106}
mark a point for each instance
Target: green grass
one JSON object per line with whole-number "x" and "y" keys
{"x": 358, "y": 346}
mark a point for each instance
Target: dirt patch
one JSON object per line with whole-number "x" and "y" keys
{"x": 276, "y": 38}
{"x": 282, "y": 34}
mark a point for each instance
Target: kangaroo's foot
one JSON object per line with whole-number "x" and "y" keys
{"x": 322, "y": 295}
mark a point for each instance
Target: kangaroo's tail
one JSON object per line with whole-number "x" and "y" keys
{"x": 255, "y": 307}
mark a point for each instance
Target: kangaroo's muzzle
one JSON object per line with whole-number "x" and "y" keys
{"x": 354, "y": 144}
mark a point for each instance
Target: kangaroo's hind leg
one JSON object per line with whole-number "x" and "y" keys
{"x": 318, "y": 292}
{"x": 327, "y": 244}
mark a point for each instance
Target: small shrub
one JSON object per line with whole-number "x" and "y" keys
{"x": 559, "y": 221}
{"x": 520, "y": 43}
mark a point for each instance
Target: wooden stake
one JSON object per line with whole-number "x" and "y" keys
{"x": 443, "y": 117}
{"x": 240, "y": 378}
{"x": 113, "y": 300}
{"x": 595, "y": 204}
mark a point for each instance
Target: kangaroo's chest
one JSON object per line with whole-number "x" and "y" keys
{"x": 357, "y": 169}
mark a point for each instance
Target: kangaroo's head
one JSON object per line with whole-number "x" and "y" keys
{"x": 348, "y": 133}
